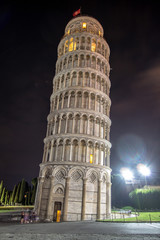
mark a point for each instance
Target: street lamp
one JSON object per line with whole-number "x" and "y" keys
{"x": 144, "y": 170}
{"x": 127, "y": 174}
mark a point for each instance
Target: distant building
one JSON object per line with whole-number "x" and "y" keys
{"x": 75, "y": 174}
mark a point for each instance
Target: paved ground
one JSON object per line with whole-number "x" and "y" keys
{"x": 80, "y": 230}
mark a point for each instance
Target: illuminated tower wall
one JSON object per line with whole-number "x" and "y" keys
{"x": 75, "y": 171}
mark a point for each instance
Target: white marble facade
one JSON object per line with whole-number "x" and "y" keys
{"x": 75, "y": 170}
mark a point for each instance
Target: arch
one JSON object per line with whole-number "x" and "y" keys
{"x": 60, "y": 168}
{"x": 75, "y": 61}
{"x": 74, "y": 79}
{"x": 59, "y": 150}
{"x": 92, "y": 176}
{"x": 62, "y": 81}
{"x": 77, "y": 123}
{"x": 91, "y": 125}
{"x": 88, "y": 43}
{"x": 70, "y": 61}
{"x": 70, "y": 123}
{"x": 84, "y": 120}
{"x": 75, "y": 169}
{"x": 60, "y": 101}
{"x": 46, "y": 171}
{"x": 82, "y": 45}
{"x": 65, "y": 104}
{"x": 88, "y": 61}
{"x": 80, "y": 78}
{"x": 75, "y": 150}
{"x": 63, "y": 123}
{"x": 79, "y": 100}
{"x": 58, "y": 189}
{"x": 82, "y": 151}
{"x": 82, "y": 61}
{"x": 67, "y": 150}
{"x": 72, "y": 100}
{"x": 86, "y": 79}
{"x": 86, "y": 100}
{"x": 67, "y": 82}
{"x": 92, "y": 101}
{"x": 92, "y": 83}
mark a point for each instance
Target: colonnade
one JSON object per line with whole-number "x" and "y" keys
{"x": 82, "y": 79}
{"x": 83, "y": 60}
{"x": 91, "y": 176}
{"x": 78, "y": 123}
{"x": 83, "y": 42}
{"x": 81, "y": 99}
{"x": 76, "y": 150}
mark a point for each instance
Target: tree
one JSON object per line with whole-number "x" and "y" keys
{"x": 6, "y": 198}
{"x": 22, "y": 191}
{"x": 1, "y": 187}
{"x": 34, "y": 183}
{"x": 3, "y": 195}
{"x": 146, "y": 198}
{"x": 120, "y": 193}
{"x": 13, "y": 195}
{"x": 17, "y": 193}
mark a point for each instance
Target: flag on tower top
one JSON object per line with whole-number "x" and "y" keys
{"x": 76, "y": 12}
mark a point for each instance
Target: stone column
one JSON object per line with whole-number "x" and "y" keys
{"x": 108, "y": 199}
{"x": 65, "y": 212}
{"x": 39, "y": 195}
{"x": 51, "y": 152}
{"x": 54, "y": 128}
{"x": 108, "y": 157}
{"x": 58, "y": 102}
{"x": 84, "y": 199}
{"x": 62, "y": 101}
{"x": 99, "y": 200}
{"x": 99, "y": 161}
{"x": 44, "y": 153}
{"x": 70, "y": 154}
{"x": 69, "y": 96}
{"x": 89, "y": 101}
{"x": 75, "y": 103}
{"x": 63, "y": 149}
{"x": 50, "y": 201}
{"x": 56, "y": 151}
{"x": 87, "y": 160}
{"x": 66, "y": 124}
{"x": 47, "y": 151}
{"x": 59, "y": 127}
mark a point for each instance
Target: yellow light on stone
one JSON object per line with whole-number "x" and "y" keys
{"x": 91, "y": 158}
{"x": 84, "y": 25}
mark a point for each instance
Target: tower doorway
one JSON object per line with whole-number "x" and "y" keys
{"x": 57, "y": 206}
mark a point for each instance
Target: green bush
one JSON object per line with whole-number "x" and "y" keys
{"x": 127, "y": 208}
{"x": 145, "y": 198}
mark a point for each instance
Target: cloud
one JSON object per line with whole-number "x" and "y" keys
{"x": 144, "y": 94}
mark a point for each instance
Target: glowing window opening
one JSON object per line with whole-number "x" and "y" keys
{"x": 93, "y": 47}
{"x": 84, "y": 25}
{"x": 91, "y": 158}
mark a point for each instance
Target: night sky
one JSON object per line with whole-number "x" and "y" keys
{"x": 29, "y": 35}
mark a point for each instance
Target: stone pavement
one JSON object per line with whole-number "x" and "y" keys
{"x": 33, "y": 236}
{"x": 79, "y": 231}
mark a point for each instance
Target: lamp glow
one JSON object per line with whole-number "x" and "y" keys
{"x": 144, "y": 170}
{"x": 127, "y": 174}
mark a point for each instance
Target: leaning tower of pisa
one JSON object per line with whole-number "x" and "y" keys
{"x": 75, "y": 171}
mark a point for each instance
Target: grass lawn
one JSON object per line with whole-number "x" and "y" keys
{"x": 143, "y": 217}
{"x": 14, "y": 208}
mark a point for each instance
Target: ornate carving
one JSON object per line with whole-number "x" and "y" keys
{"x": 92, "y": 177}
{"x": 60, "y": 175}
{"x": 76, "y": 176}
{"x": 59, "y": 190}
